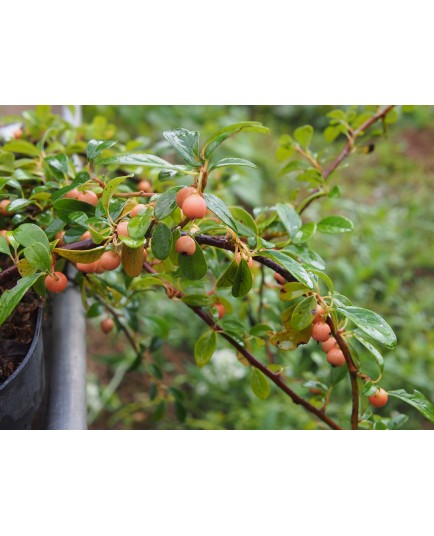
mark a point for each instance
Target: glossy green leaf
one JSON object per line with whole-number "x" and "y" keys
{"x": 204, "y": 348}
{"x": 96, "y": 147}
{"x": 289, "y": 217}
{"x": 221, "y": 135}
{"x": 38, "y": 256}
{"x": 217, "y": 206}
{"x": 245, "y": 222}
{"x": 22, "y": 147}
{"x": 12, "y": 297}
{"x": 185, "y": 143}
{"x": 198, "y": 300}
{"x": 371, "y": 348}
{"x": 228, "y": 277}
{"x": 304, "y": 135}
{"x": 305, "y": 233}
{"x": 291, "y": 291}
{"x": 324, "y": 278}
{"x": 135, "y": 159}
{"x": 194, "y": 266}
{"x": 139, "y": 225}
{"x": 293, "y": 267}
{"x": 335, "y": 225}
{"x": 84, "y": 256}
{"x": 371, "y": 324}
{"x": 81, "y": 178}
{"x": 303, "y": 314}
{"x": 58, "y": 165}
{"x": 4, "y": 246}
{"x": 293, "y": 165}
{"x": 161, "y": 242}
{"x": 259, "y": 384}
{"x": 231, "y": 162}
{"x": 417, "y": 400}
{"x": 242, "y": 281}
{"x": 166, "y": 203}
{"x": 29, "y": 233}
{"x": 65, "y": 207}
{"x": 110, "y": 189}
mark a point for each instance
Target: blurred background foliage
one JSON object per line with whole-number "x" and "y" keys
{"x": 386, "y": 264}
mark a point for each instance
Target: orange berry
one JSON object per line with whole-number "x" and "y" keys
{"x": 107, "y": 325}
{"x": 89, "y": 197}
{"x": 122, "y": 228}
{"x": 186, "y": 245}
{"x": 194, "y": 206}
{"x": 56, "y": 282}
{"x": 145, "y": 186}
{"x": 85, "y": 236}
{"x": 137, "y": 209}
{"x": 335, "y": 357}
{"x": 319, "y": 315}
{"x": 89, "y": 268}
{"x": 73, "y": 194}
{"x": 245, "y": 257}
{"x": 379, "y": 398}
{"x": 18, "y": 133}
{"x": 328, "y": 344}
{"x": 110, "y": 260}
{"x": 3, "y": 207}
{"x": 321, "y": 332}
{"x": 59, "y": 237}
{"x": 99, "y": 268}
{"x": 279, "y": 278}
{"x": 145, "y": 255}
{"x": 182, "y": 195}
{"x": 220, "y": 309}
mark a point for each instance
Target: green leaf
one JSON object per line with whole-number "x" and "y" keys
{"x": 166, "y": 203}
{"x": 96, "y": 147}
{"x": 216, "y": 205}
{"x": 243, "y": 280}
{"x": 335, "y": 224}
{"x": 22, "y": 147}
{"x": 194, "y": 266}
{"x": 371, "y": 348}
{"x": 135, "y": 159}
{"x": 198, "y": 300}
{"x": 38, "y": 256}
{"x": 417, "y": 400}
{"x": 228, "y": 277}
{"x": 204, "y": 348}
{"x": 324, "y": 278}
{"x": 161, "y": 242}
{"x": 304, "y": 135}
{"x": 293, "y": 267}
{"x": 85, "y": 256}
{"x": 11, "y": 298}
{"x": 139, "y": 225}
{"x": 58, "y": 165}
{"x": 221, "y": 135}
{"x": 259, "y": 384}
{"x": 371, "y": 324}
{"x": 305, "y": 233}
{"x": 185, "y": 143}
{"x": 29, "y": 233}
{"x": 303, "y": 314}
{"x": 289, "y": 217}
{"x": 293, "y": 165}
{"x": 65, "y": 207}
{"x": 81, "y": 178}
{"x": 245, "y": 222}
{"x": 110, "y": 189}
{"x": 4, "y": 246}
{"x": 293, "y": 291}
{"x": 231, "y": 162}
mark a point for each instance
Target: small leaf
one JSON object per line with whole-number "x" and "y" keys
{"x": 304, "y": 135}
{"x": 293, "y": 267}
{"x": 194, "y": 266}
{"x": 259, "y": 384}
{"x": 417, "y": 400}
{"x": 132, "y": 260}
{"x": 22, "y": 147}
{"x": 231, "y": 162}
{"x": 289, "y": 217}
{"x": 216, "y": 205}
{"x": 245, "y": 222}
{"x": 303, "y": 314}
{"x": 65, "y": 207}
{"x": 243, "y": 280}
{"x": 204, "y": 348}
{"x": 110, "y": 189}
{"x": 305, "y": 233}
{"x": 81, "y": 178}
{"x": 38, "y": 256}
{"x": 4, "y": 246}
{"x": 139, "y": 225}
{"x": 228, "y": 277}
{"x": 161, "y": 242}
{"x": 293, "y": 291}
{"x": 29, "y": 233}
{"x": 135, "y": 159}
{"x": 185, "y": 143}
{"x": 371, "y": 348}
{"x": 335, "y": 224}
{"x": 198, "y": 300}
{"x": 12, "y": 297}
{"x": 58, "y": 165}
{"x": 166, "y": 203}
{"x": 371, "y": 324}
{"x": 84, "y": 256}
{"x": 221, "y": 135}
{"x": 96, "y": 147}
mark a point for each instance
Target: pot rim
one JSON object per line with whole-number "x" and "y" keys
{"x": 30, "y": 351}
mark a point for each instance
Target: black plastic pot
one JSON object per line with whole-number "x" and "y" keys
{"x": 21, "y": 394}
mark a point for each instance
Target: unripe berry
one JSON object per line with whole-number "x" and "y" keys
{"x": 137, "y": 209}
{"x": 320, "y": 332}
{"x": 145, "y": 186}
{"x": 249, "y": 260}
{"x": 319, "y": 315}
{"x": 194, "y": 207}
{"x": 3, "y": 207}
{"x": 122, "y": 228}
{"x": 335, "y": 357}
{"x": 107, "y": 325}
{"x": 220, "y": 309}
{"x": 88, "y": 197}
{"x": 328, "y": 344}
{"x": 110, "y": 260}
{"x": 56, "y": 282}
{"x": 186, "y": 245}
{"x": 89, "y": 268}
{"x": 73, "y": 194}
{"x": 182, "y": 195}
{"x": 379, "y": 398}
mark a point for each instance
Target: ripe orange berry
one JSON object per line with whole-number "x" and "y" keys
{"x": 194, "y": 206}
{"x": 110, "y": 260}
{"x": 137, "y": 209}
{"x": 88, "y": 197}
{"x": 379, "y": 398}
{"x": 279, "y": 278}
{"x": 335, "y": 357}
{"x": 85, "y": 236}
{"x": 122, "y": 228}
{"x": 319, "y": 315}
{"x": 245, "y": 257}
{"x": 56, "y": 282}
{"x": 18, "y": 133}
{"x": 145, "y": 255}
{"x": 145, "y": 186}
{"x": 220, "y": 309}
{"x": 182, "y": 195}
{"x": 73, "y": 194}
{"x": 186, "y": 245}
{"x": 89, "y": 268}
{"x": 320, "y": 332}
{"x": 107, "y": 325}
{"x": 99, "y": 269}
{"x": 59, "y": 237}
{"x": 3, "y": 207}
{"x": 328, "y": 344}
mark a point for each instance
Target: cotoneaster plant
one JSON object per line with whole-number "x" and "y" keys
{"x": 155, "y": 225}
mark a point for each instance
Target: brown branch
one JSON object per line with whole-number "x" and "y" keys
{"x": 275, "y": 378}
